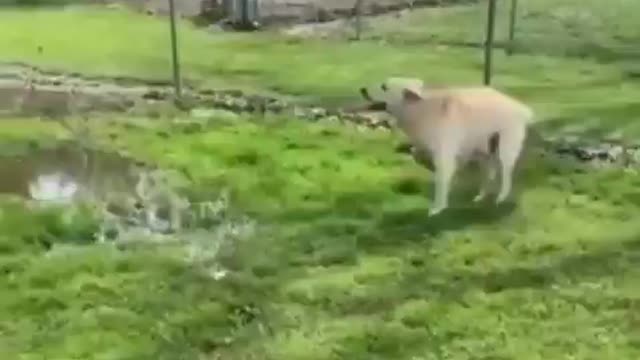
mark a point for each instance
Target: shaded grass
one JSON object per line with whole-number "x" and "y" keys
{"x": 345, "y": 263}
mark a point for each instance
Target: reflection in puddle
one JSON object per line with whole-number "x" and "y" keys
{"x": 52, "y": 187}
{"x": 63, "y": 173}
{"x": 125, "y": 193}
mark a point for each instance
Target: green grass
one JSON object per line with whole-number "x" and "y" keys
{"x": 344, "y": 263}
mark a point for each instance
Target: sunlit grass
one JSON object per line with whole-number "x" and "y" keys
{"x": 345, "y": 263}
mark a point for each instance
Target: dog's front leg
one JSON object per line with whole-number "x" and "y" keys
{"x": 445, "y": 167}
{"x": 422, "y": 157}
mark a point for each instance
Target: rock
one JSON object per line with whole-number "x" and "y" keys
{"x": 207, "y": 92}
{"x": 332, "y": 119}
{"x": 154, "y": 95}
{"x": 242, "y": 104}
{"x": 226, "y": 102}
{"x": 325, "y": 15}
{"x": 616, "y": 152}
{"x": 259, "y": 103}
{"x": 633, "y": 156}
{"x": 231, "y": 92}
{"x": 590, "y": 153}
{"x": 316, "y": 113}
{"x": 217, "y": 114}
{"x": 276, "y": 106}
{"x": 299, "y": 112}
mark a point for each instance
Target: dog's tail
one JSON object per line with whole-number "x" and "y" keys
{"x": 534, "y": 144}
{"x": 534, "y": 138}
{"x": 510, "y": 144}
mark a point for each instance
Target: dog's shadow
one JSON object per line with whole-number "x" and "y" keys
{"x": 417, "y": 222}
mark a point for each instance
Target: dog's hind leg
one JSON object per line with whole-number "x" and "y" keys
{"x": 490, "y": 162}
{"x": 491, "y": 169}
{"x": 508, "y": 153}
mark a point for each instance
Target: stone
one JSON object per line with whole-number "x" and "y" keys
{"x": 317, "y": 112}
{"x": 154, "y": 95}
{"x": 616, "y": 152}
{"x": 208, "y": 113}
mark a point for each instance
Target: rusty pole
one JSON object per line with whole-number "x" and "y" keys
{"x": 358, "y": 10}
{"x": 488, "y": 45}
{"x": 174, "y": 50}
{"x": 512, "y": 26}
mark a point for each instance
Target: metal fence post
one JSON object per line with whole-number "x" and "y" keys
{"x": 488, "y": 45}
{"x": 512, "y": 26}
{"x": 358, "y": 10}
{"x": 174, "y": 50}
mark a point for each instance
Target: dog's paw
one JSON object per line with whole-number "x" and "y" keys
{"x": 501, "y": 198}
{"x": 435, "y": 211}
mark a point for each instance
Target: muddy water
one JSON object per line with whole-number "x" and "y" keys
{"x": 64, "y": 172}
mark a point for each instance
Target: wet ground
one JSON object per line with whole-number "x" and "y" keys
{"x": 65, "y": 172}
{"x": 127, "y": 195}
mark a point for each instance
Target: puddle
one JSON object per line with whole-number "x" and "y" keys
{"x": 133, "y": 203}
{"x": 66, "y": 172}
{"x": 124, "y": 193}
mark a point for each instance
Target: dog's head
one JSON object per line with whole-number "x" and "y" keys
{"x": 393, "y": 94}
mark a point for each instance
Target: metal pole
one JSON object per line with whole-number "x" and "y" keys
{"x": 488, "y": 45}
{"x": 512, "y": 26}
{"x": 245, "y": 13}
{"x": 174, "y": 50}
{"x": 358, "y": 9}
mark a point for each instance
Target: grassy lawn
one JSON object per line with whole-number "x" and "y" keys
{"x": 344, "y": 263}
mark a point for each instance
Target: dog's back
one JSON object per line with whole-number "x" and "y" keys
{"x": 473, "y": 119}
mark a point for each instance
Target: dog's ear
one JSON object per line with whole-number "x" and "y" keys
{"x": 411, "y": 95}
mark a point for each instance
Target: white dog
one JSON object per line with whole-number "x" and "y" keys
{"x": 455, "y": 125}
